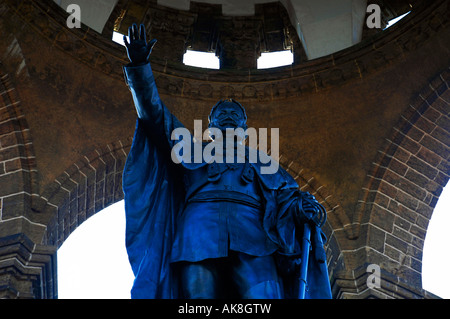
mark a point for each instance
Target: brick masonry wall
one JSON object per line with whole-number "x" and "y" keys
{"x": 84, "y": 173}
{"x": 22, "y": 262}
{"x": 16, "y": 154}
{"x": 17, "y": 165}
{"x": 85, "y": 188}
{"x": 403, "y": 188}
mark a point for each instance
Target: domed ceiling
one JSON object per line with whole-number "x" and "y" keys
{"x": 322, "y": 26}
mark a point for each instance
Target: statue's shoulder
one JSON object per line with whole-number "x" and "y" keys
{"x": 276, "y": 179}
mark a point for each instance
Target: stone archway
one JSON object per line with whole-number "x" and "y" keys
{"x": 17, "y": 158}
{"x": 86, "y": 187}
{"x": 26, "y": 268}
{"x": 402, "y": 190}
{"x": 95, "y": 182}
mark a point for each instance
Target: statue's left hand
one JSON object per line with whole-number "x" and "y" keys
{"x": 137, "y": 47}
{"x": 312, "y": 211}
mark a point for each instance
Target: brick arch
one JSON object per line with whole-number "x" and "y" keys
{"x": 95, "y": 182}
{"x": 17, "y": 157}
{"x": 26, "y": 266}
{"x": 403, "y": 188}
{"x": 85, "y": 188}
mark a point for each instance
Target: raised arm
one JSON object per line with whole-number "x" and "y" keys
{"x": 139, "y": 76}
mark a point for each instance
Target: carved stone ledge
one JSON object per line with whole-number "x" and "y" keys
{"x": 174, "y": 78}
{"x": 27, "y": 271}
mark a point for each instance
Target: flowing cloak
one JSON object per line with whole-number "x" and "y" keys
{"x": 155, "y": 195}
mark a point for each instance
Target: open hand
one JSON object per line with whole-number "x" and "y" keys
{"x": 137, "y": 47}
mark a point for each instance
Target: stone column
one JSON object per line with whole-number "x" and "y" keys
{"x": 239, "y": 42}
{"x": 27, "y": 270}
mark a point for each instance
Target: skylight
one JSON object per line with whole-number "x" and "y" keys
{"x": 118, "y": 38}
{"x": 394, "y": 21}
{"x": 207, "y": 60}
{"x": 275, "y": 59}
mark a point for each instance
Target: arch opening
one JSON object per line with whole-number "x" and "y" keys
{"x": 435, "y": 257}
{"x": 92, "y": 262}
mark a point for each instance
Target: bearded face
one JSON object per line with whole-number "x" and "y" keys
{"x": 228, "y": 115}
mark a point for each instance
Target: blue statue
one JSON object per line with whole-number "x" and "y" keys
{"x": 210, "y": 229}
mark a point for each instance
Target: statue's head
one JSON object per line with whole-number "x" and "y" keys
{"x": 228, "y": 114}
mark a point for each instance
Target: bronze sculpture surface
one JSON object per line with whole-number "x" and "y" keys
{"x": 218, "y": 226}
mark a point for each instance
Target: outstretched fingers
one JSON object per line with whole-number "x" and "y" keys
{"x": 142, "y": 34}
{"x": 130, "y": 37}
{"x": 130, "y": 33}
{"x": 135, "y": 32}
{"x": 152, "y": 44}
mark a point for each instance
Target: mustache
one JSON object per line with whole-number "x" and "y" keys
{"x": 228, "y": 121}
